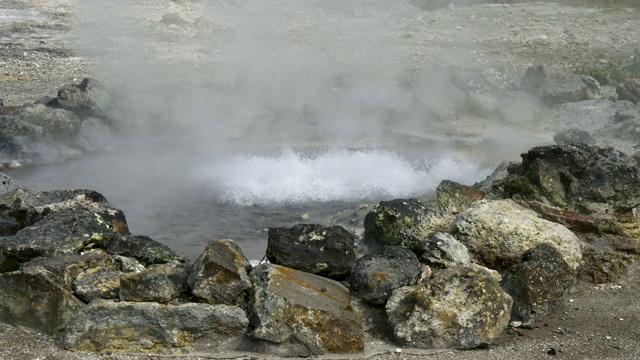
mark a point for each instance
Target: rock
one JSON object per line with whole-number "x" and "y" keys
{"x": 301, "y": 314}
{"x": 589, "y": 115}
{"x": 375, "y": 276}
{"x": 97, "y": 283}
{"x": 573, "y": 136}
{"x": 399, "y": 222}
{"x": 538, "y": 284}
{"x": 441, "y": 250}
{"x": 61, "y": 124}
{"x": 154, "y": 328}
{"x": 625, "y": 126}
{"x": 23, "y": 143}
{"x": 95, "y": 134}
{"x": 220, "y": 274}
{"x": 458, "y": 307}
{"x": 592, "y": 84}
{"x": 554, "y": 86}
{"x": 89, "y": 98}
{"x": 322, "y": 250}
{"x": 144, "y": 249}
{"x": 159, "y": 283}
{"x": 454, "y": 198}
{"x": 629, "y": 90}
{"x": 8, "y": 185}
{"x": 31, "y": 297}
{"x": 499, "y": 232}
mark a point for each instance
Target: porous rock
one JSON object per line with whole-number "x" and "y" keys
{"x": 555, "y": 86}
{"x": 375, "y": 276}
{"x": 322, "y": 250}
{"x": 152, "y": 327}
{"x": 458, "y": 307}
{"x": 144, "y": 249}
{"x": 33, "y": 298}
{"x": 454, "y": 198}
{"x": 220, "y": 274}
{"x": 498, "y": 232}
{"x": 440, "y": 250}
{"x": 295, "y": 313}
{"x": 97, "y": 283}
{"x": 538, "y": 283}
{"x": 158, "y": 283}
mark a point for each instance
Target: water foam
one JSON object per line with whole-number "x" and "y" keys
{"x": 336, "y": 175}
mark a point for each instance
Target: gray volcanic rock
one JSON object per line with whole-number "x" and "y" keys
{"x": 219, "y": 275}
{"x": 376, "y": 276}
{"x": 322, "y": 250}
{"x": 629, "y": 90}
{"x": 440, "y": 250}
{"x": 538, "y": 284}
{"x": 152, "y": 327}
{"x": 97, "y": 283}
{"x": 32, "y": 297}
{"x": 454, "y": 198}
{"x": 555, "y": 86}
{"x": 499, "y": 232}
{"x": 301, "y": 314}
{"x": 62, "y": 125}
{"x": 89, "y": 98}
{"x": 144, "y": 249}
{"x": 573, "y": 136}
{"x": 95, "y": 134}
{"x": 154, "y": 284}
{"x": 458, "y": 307}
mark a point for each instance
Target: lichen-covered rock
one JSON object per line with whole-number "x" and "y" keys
{"x": 144, "y": 249}
{"x": 555, "y": 86}
{"x": 375, "y": 276}
{"x": 89, "y": 98}
{"x": 152, "y": 327}
{"x": 440, "y": 250}
{"x": 32, "y": 297}
{"x": 499, "y": 232}
{"x": 97, "y": 283}
{"x": 158, "y": 283}
{"x": 301, "y": 314}
{"x": 538, "y": 283}
{"x": 220, "y": 274}
{"x": 458, "y": 307}
{"x": 322, "y": 250}
{"x": 454, "y": 198}
{"x": 404, "y": 222}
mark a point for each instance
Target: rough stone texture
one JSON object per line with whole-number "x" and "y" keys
{"x": 59, "y": 123}
{"x": 219, "y": 275}
{"x": 144, "y": 249}
{"x": 97, "y": 283}
{"x": 555, "y": 86}
{"x": 398, "y": 222}
{"x": 455, "y": 198}
{"x": 89, "y": 98}
{"x": 152, "y": 327}
{"x": 629, "y": 90}
{"x": 458, "y": 307}
{"x": 8, "y": 184}
{"x": 440, "y": 250}
{"x": 23, "y": 143}
{"x": 375, "y": 276}
{"x": 538, "y": 284}
{"x": 32, "y": 297}
{"x": 160, "y": 283}
{"x": 573, "y": 136}
{"x": 499, "y": 232}
{"x": 323, "y": 250}
{"x": 301, "y": 314}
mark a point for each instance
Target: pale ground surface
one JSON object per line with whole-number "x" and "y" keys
{"x": 595, "y": 323}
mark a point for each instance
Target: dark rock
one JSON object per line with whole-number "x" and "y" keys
{"x": 629, "y": 90}
{"x": 159, "y": 283}
{"x": 144, "y": 249}
{"x": 219, "y": 275}
{"x": 441, "y": 250}
{"x": 89, "y": 98}
{"x": 97, "y": 283}
{"x": 301, "y": 314}
{"x": 573, "y": 136}
{"x": 397, "y": 222}
{"x": 458, "y": 307}
{"x": 455, "y": 198}
{"x": 375, "y": 276}
{"x": 32, "y": 297}
{"x": 555, "y": 86}
{"x": 152, "y": 327}
{"x": 23, "y": 143}
{"x": 538, "y": 284}
{"x": 60, "y": 124}
{"x": 321, "y": 250}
